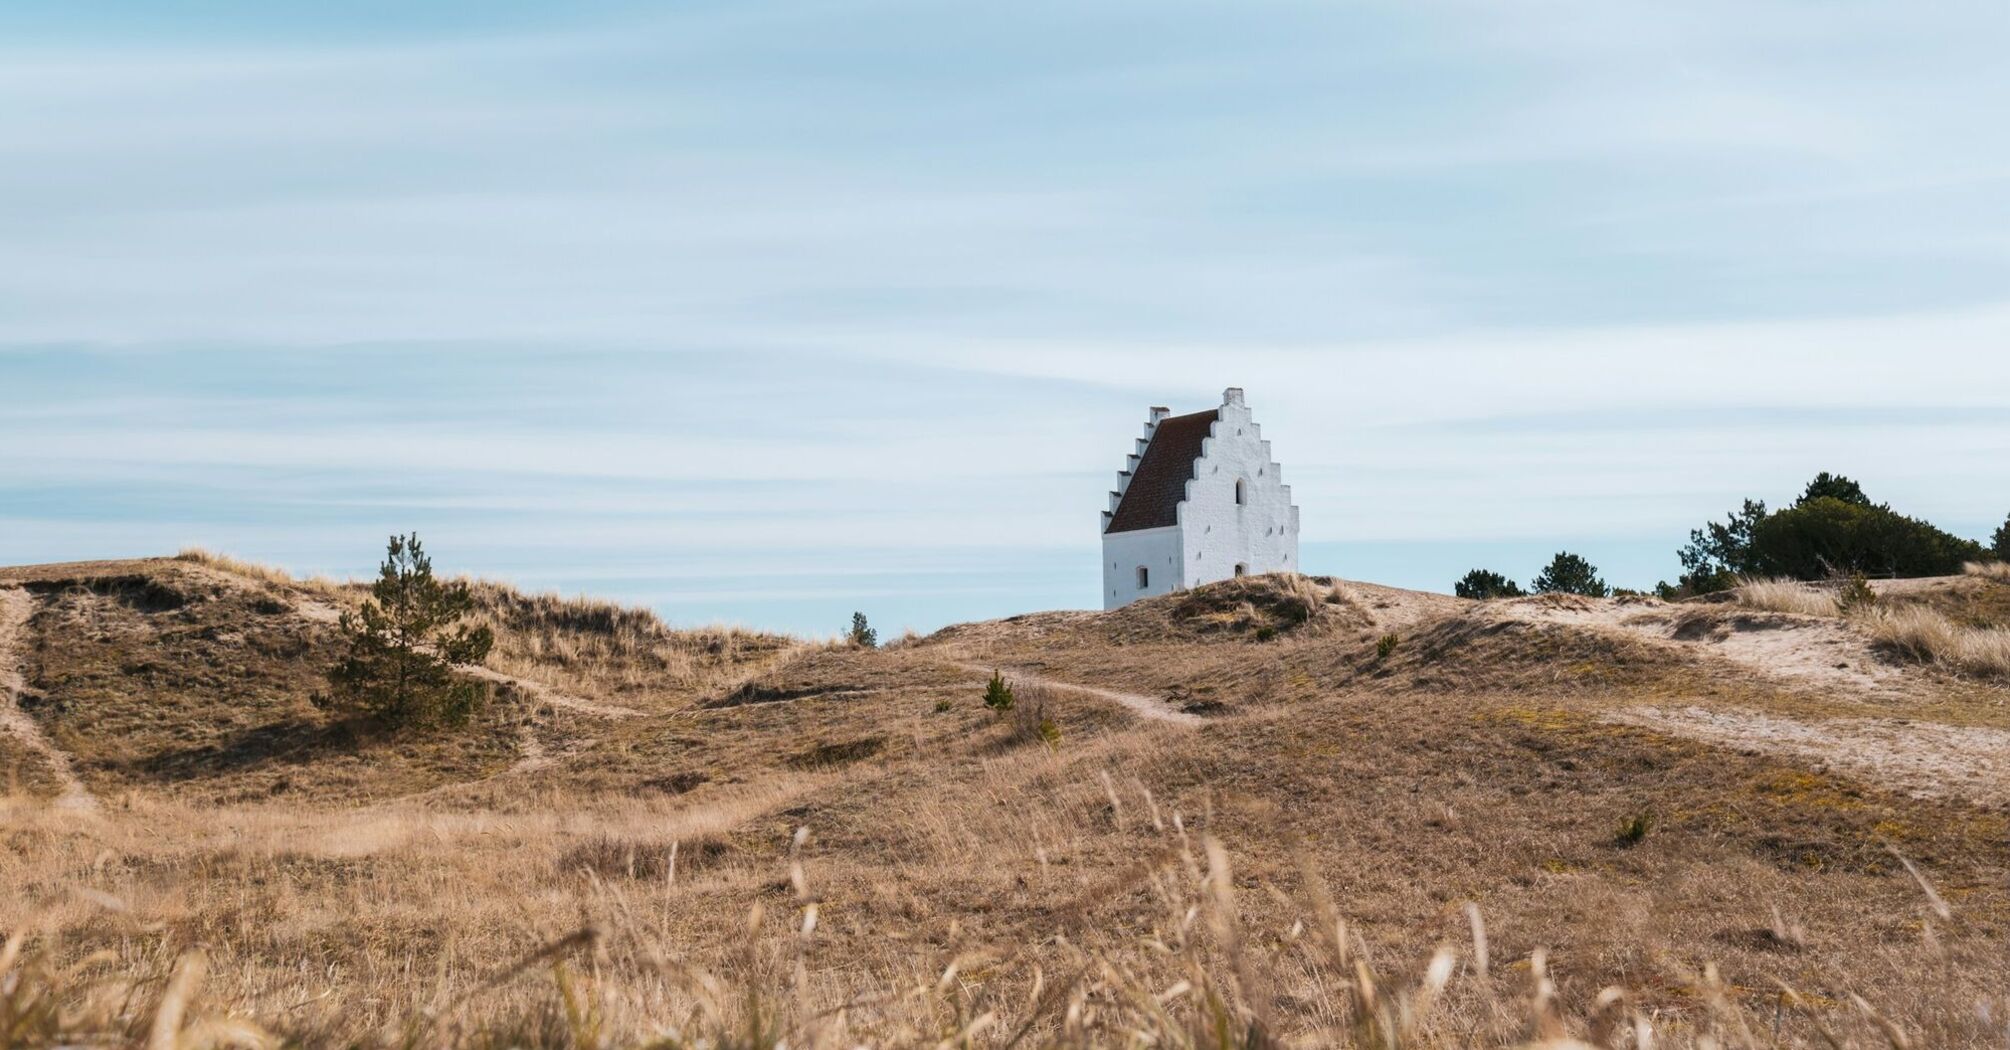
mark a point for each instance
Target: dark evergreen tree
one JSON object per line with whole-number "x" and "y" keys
{"x": 1718, "y": 553}
{"x": 1569, "y": 574}
{"x": 997, "y": 694}
{"x": 405, "y": 644}
{"x": 1834, "y": 486}
{"x": 1826, "y": 536}
{"x": 1485, "y": 583}
{"x": 2000, "y": 543}
{"x": 862, "y": 634}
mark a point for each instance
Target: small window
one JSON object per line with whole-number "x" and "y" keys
{"x": 1241, "y": 569}
{"x": 1144, "y": 577}
{"x": 1241, "y": 492}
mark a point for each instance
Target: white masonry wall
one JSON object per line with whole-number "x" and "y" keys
{"x": 1156, "y": 551}
{"x": 1216, "y": 534}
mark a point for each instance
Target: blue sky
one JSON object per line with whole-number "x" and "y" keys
{"x": 764, "y": 312}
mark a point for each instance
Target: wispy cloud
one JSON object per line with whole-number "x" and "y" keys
{"x": 628, "y": 287}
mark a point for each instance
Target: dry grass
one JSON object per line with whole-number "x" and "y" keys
{"x": 1989, "y": 570}
{"x": 1137, "y": 884}
{"x": 1922, "y": 634}
{"x": 1788, "y": 596}
{"x": 680, "y": 938}
{"x": 589, "y": 646}
{"x": 253, "y": 571}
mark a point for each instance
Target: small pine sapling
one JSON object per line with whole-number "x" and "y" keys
{"x": 998, "y": 694}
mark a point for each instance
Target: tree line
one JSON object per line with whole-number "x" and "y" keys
{"x": 1833, "y": 531}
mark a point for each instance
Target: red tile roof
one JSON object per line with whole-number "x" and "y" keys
{"x": 1153, "y": 498}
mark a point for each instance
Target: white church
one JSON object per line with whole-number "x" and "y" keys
{"x": 1200, "y": 500}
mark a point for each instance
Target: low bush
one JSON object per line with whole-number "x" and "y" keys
{"x": 1030, "y": 719}
{"x": 1854, "y": 594}
{"x": 1386, "y": 645}
{"x": 1481, "y": 584}
{"x": 1569, "y": 573}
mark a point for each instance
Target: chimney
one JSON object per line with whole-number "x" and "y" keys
{"x": 1232, "y": 396}
{"x": 1159, "y": 412}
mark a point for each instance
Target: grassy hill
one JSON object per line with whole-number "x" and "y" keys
{"x": 1278, "y": 808}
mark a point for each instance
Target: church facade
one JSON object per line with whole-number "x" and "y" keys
{"x": 1199, "y": 500}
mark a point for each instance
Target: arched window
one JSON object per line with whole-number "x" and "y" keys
{"x": 1144, "y": 577}
{"x": 1241, "y": 492}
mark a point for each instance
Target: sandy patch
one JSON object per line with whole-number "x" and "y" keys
{"x": 1922, "y": 759}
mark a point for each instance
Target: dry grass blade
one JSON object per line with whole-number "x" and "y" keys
{"x": 165, "y": 1032}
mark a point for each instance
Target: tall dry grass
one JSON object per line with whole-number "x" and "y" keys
{"x": 254, "y": 571}
{"x": 1201, "y": 971}
{"x": 1788, "y": 596}
{"x": 588, "y": 644}
{"x": 1989, "y": 570}
{"x": 1922, "y": 634}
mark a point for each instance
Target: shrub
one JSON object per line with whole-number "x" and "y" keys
{"x": 1855, "y": 594}
{"x": 1633, "y": 830}
{"x": 862, "y": 635}
{"x": 1030, "y": 720}
{"x": 998, "y": 694}
{"x": 1386, "y": 645}
{"x": 942, "y": 706}
{"x": 1485, "y": 583}
{"x": 405, "y": 643}
{"x": 1822, "y": 536}
{"x": 1833, "y": 528}
{"x": 1570, "y": 574}
{"x": 2000, "y": 543}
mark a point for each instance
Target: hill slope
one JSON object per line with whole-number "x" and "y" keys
{"x": 1638, "y": 788}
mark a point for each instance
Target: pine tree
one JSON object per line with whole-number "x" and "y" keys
{"x": 1571, "y": 574}
{"x": 405, "y": 644}
{"x": 1834, "y": 486}
{"x": 997, "y": 694}
{"x": 862, "y": 634}
{"x": 2000, "y": 543}
{"x": 1485, "y": 583}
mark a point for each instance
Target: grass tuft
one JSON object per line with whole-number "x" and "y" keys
{"x": 1989, "y": 570}
{"x": 1924, "y": 635}
{"x": 1788, "y": 596}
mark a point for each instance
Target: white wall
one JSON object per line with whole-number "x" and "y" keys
{"x": 1157, "y": 550}
{"x": 1216, "y": 533}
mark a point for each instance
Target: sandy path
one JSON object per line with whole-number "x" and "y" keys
{"x": 15, "y": 608}
{"x": 1793, "y": 650}
{"x": 545, "y": 694}
{"x": 1144, "y": 706}
{"x": 1923, "y": 759}
{"x": 323, "y": 612}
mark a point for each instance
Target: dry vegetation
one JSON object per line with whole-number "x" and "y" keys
{"x": 1445, "y": 842}
{"x": 1789, "y": 596}
{"x": 1924, "y": 626}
